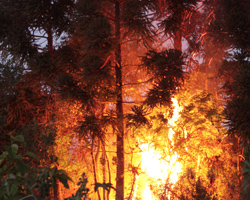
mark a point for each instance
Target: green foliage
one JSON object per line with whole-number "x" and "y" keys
{"x": 80, "y": 67}
{"x": 19, "y": 180}
{"x": 21, "y": 103}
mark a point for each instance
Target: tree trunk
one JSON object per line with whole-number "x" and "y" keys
{"x": 119, "y": 110}
{"x": 95, "y": 165}
{"x": 103, "y": 170}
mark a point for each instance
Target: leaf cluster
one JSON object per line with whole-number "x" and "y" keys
{"x": 138, "y": 117}
{"x": 135, "y": 19}
{"x": 94, "y": 126}
{"x": 166, "y": 69}
{"x": 19, "y": 180}
{"x": 15, "y": 175}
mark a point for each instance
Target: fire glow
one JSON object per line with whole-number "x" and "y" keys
{"x": 155, "y": 167}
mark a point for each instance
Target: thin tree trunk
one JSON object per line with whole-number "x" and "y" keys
{"x": 119, "y": 110}
{"x": 94, "y": 168}
{"x": 103, "y": 160}
{"x": 109, "y": 171}
{"x": 103, "y": 169}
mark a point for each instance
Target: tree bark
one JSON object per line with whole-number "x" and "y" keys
{"x": 119, "y": 110}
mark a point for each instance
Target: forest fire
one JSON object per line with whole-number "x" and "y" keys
{"x": 85, "y": 94}
{"x": 157, "y": 168}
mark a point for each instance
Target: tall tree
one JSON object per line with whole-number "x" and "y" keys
{"x": 112, "y": 27}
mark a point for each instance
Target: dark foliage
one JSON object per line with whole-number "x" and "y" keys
{"x": 176, "y": 12}
{"x": 138, "y": 117}
{"x": 70, "y": 88}
{"x": 238, "y": 102}
{"x": 231, "y": 23}
{"x": 135, "y": 19}
{"x": 166, "y": 68}
{"x": 94, "y": 126}
{"x": 21, "y": 20}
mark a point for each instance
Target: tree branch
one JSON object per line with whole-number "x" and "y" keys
{"x": 138, "y": 83}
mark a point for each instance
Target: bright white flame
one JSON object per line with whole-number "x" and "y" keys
{"x": 157, "y": 168}
{"x": 147, "y": 194}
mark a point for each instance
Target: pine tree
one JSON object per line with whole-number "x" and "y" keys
{"x": 105, "y": 29}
